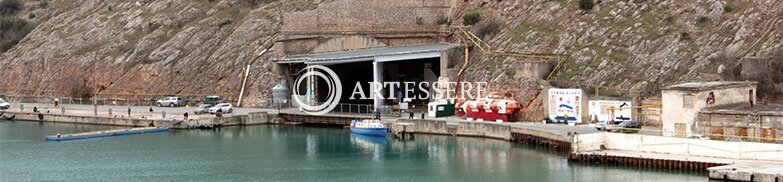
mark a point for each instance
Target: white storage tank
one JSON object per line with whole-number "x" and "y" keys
{"x": 280, "y": 93}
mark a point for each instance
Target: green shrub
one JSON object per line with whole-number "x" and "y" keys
{"x": 442, "y": 20}
{"x": 489, "y": 26}
{"x": 471, "y": 18}
{"x": 586, "y": 4}
{"x": 43, "y": 4}
{"x": 9, "y": 7}
{"x": 728, "y": 8}
{"x": 12, "y": 30}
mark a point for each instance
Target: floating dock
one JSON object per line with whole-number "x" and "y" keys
{"x": 105, "y": 133}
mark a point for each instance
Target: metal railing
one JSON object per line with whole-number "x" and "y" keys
{"x": 144, "y": 101}
{"x": 343, "y": 108}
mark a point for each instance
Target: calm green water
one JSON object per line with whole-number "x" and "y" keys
{"x": 278, "y": 153}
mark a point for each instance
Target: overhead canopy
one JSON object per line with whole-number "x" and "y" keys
{"x": 384, "y": 54}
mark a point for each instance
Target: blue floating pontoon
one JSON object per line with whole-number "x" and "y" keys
{"x": 106, "y": 133}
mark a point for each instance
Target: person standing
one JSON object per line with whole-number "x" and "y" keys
{"x": 377, "y": 114}
{"x": 56, "y": 102}
{"x": 410, "y": 111}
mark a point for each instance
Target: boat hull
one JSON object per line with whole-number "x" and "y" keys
{"x": 370, "y": 131}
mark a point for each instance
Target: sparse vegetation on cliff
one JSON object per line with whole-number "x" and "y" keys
{"x": 12, "y": 29}
{"x": 471, "y": 18}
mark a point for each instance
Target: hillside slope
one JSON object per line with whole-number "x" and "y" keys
{"x": 202, "y": 46}
{"x": 145, "y": 47}
{"x": 637, "y": 44}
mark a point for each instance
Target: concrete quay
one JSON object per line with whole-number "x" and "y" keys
{"x": 748, "y": 171}
{"x": 84, "y": 114}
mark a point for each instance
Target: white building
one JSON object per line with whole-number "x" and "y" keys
{"x": 681, "y": 103}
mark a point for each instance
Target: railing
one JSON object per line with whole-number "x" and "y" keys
{"x": 147, "y": 101}
{"x": 346, "y": 108}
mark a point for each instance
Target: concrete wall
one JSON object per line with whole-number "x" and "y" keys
{"x": 474, "y": 129}
{"x": 369, "y": 14}
{"x": 749, "y": 125}
{"x": 383, "y": 22}
{"x": 85, "y": 119}
{"x": 352, "y": 42}
{"x": 673, "y": 111}
{"x": 678, "y": 146}
{"x": 250, "y": 119}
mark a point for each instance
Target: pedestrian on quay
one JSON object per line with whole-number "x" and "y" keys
{"x": 410, "y": 112}
{"x": 186, "y": 115}
{"x": 129, "y": 112}
{"x": 378, "y": 114}
{"x": 56, "y": 102}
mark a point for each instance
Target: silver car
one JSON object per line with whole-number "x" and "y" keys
{"x": 4, "y": 105}
{"x": 222, "y": 108}
{"x": 170, "y": 102}
{"x": 202, "y": 109}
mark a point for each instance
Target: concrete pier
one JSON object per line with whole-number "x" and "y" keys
{"x": 253, "y": 118}
{"x": 748, "y": 171}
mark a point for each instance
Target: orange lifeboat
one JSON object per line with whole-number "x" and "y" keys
{"x": 498, "y": 110}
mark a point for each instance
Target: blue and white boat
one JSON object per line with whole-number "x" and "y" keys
{"x": 369, "y": 127}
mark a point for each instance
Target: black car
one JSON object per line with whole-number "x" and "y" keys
{"x": 628, "y": 127}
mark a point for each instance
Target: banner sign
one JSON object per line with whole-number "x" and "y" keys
{"x": 565, "y": 105}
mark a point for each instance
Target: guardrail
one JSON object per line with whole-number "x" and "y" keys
{"x": 712, "y": 136}
{"x": 346, "y": 108}
{"x": 146, "y": 101}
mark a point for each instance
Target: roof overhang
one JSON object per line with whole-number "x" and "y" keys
{"x": 384, "y": 54}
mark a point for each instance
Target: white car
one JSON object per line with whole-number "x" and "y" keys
{"x": 4, "y": 105}
{"x": 700, "y": 137}
{"x": 170, "y": 102}
{"x": 221, "y": 108}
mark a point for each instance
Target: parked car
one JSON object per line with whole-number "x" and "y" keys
{"x": 700, "y": 137}
{"x": 628, "y": 127}
{"x": 601, "y": 125}
{"x": 170, "y": 102}
{"x": 735, "y": 139}
{"x": 221, "y": 108}
{"x": 4, "y": 105}
{"x": 202, "y": 109}
{"x": 212, "y": 100}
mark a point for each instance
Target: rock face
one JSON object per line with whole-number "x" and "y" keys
{"x": 145, "y": 47}
{"x": 200, "y": 47}
{"x": 636, "y": 44}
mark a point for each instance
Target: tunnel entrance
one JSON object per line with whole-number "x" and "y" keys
{"x": 396, "y": 67}
{"x": 412, "y": 71}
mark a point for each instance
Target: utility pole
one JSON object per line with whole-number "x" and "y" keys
{"x": 95, "y": 87}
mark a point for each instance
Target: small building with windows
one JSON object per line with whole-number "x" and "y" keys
{"x": 682, "y": 103}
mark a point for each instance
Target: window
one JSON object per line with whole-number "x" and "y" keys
{"x": 687, "y": 101}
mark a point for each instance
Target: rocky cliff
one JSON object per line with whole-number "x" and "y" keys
{"x": 636, "y": 44}
{"x": 146, "y": 47}
{"x": 202, "y": 46}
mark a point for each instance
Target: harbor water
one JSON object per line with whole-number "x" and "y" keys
{"x": 280, "y": 153}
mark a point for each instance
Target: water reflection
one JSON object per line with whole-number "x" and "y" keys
{"x": 272, "y": 153}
